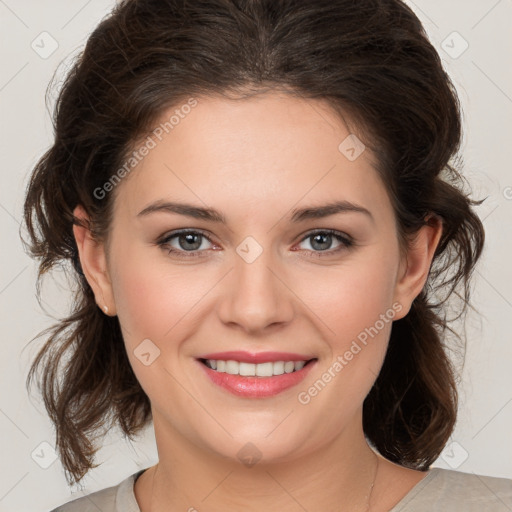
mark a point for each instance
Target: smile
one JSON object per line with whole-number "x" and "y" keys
{"x": 258, "y": 375}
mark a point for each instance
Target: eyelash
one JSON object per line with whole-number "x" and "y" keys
{"x": 346, "y": 243}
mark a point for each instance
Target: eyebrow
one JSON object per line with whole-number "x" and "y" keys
{"x": 212, "y": 215}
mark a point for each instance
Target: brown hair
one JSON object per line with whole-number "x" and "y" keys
{"x": 372, "y": 61}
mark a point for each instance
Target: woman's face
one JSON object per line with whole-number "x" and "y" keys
{"x": 269, "y": 279}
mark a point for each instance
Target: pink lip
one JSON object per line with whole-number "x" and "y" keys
{"x": 261, "y": 357}
{"x": 256, "y": 387}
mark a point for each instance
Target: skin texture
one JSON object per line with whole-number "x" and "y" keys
{"x": 255, "y": 160}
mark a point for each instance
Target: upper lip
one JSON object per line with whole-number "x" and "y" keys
{"x": 256, "y": 358}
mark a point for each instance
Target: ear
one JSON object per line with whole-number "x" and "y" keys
{"x": 94, "y": 263}
{"x": 414, "y": 269}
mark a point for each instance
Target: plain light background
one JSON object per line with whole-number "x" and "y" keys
{"x": 37, "y": 37}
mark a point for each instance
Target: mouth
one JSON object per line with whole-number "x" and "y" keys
{"x": 261, "y": 379}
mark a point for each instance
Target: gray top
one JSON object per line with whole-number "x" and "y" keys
{"x": 441, "y": 490}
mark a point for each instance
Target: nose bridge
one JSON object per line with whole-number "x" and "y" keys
{"x": 256, "y": 297}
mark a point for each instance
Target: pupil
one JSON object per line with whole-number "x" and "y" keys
{"x": 324, "y": 244}
{"x": 189, "y": 239}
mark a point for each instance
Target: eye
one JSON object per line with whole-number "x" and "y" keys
{"x": 321, "y": 240}
{"x": 189, "y": 243}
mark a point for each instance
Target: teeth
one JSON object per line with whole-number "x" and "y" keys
{"x": 255, "y": 370}
{"x": 265, "y": 369}
{"x": 278, "y": 368}
{"x": 232, "y": 367}
{"x": 289, "y": 366}
{"x": 245, "y": 369}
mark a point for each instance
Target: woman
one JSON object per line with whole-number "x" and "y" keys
{"x": 258, "y": 205}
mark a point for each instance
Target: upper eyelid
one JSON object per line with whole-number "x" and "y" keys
{"x": 171, "y": 234}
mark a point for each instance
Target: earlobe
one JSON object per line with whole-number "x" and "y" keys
{"x": 93, "y": 262}
{"x": 414, "y": 272}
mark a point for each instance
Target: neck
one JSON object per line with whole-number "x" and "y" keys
{"x": 335, "y": 476}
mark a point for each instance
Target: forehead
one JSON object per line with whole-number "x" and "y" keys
{"x": 268, "y": 151}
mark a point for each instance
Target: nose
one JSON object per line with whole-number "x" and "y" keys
{"x": 257, "y": 296}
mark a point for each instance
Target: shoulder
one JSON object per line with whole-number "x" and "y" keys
{"x": 449, "y": 491}
{"x": 118, "y": 498}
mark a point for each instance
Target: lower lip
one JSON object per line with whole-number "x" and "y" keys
{"x": 257, "y": 387}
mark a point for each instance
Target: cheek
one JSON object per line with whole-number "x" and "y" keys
{"x": 348, "y": 300}
{"x": 150, "y": 299}
{"x": 159, "y": 300}
{"x": 357, "y": 309}
{"x": 152, "y": 303}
